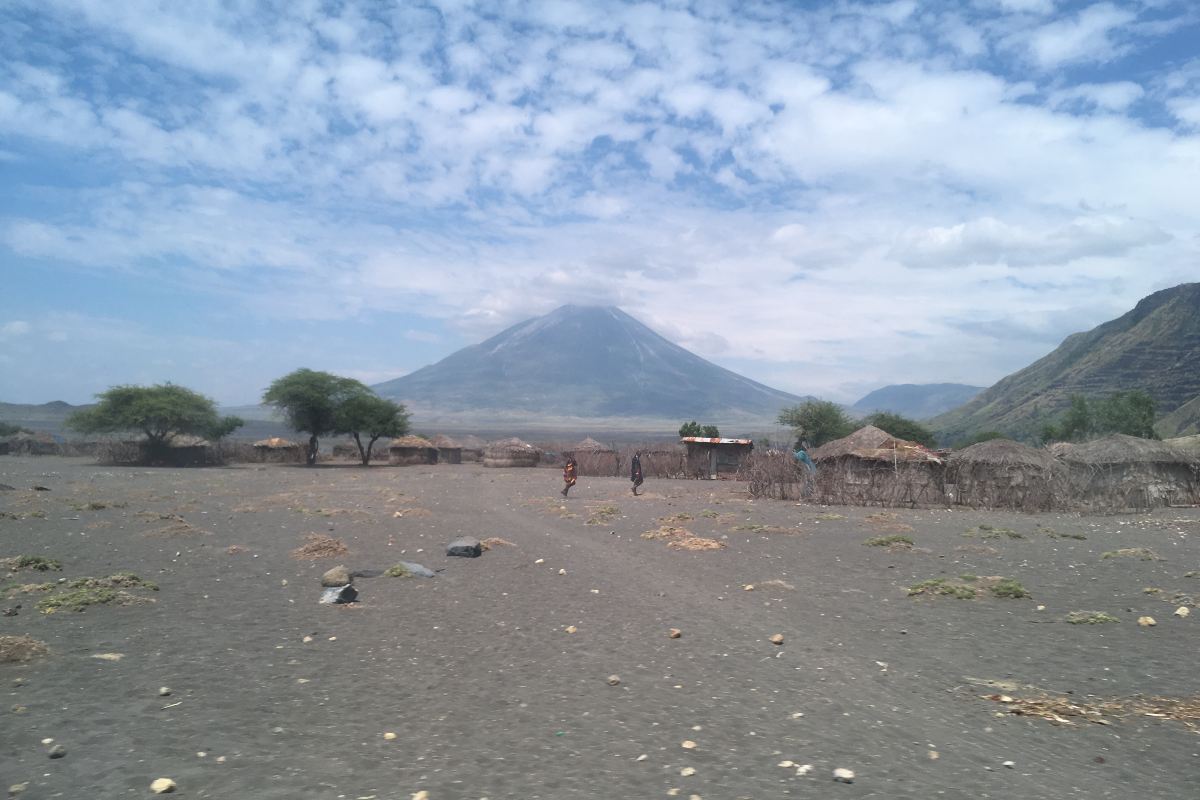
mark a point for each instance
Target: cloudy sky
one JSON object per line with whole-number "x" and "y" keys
{"x": 825, "y": 196}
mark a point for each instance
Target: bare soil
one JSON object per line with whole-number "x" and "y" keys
{"x": 490, "y": 696}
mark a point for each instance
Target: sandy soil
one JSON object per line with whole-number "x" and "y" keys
{"x": 489, "y": 695}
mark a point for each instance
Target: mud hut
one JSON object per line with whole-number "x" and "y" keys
{"x": 449, "y": 451}
{"x": 1126, "y": 473}
{"x": 593, "y": 458}
{"x": 277, "y": 450}
{"x": 1001, "y": 473}
{"x": 409, "y": 450}
{"x": 710, "y": 458}
{"x": 472, "y": 447}
{"x": 510, "y": 453}
{"x": 871, "y": 468}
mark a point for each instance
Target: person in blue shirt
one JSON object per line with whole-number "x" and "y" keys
{"x": 802, "y": 457}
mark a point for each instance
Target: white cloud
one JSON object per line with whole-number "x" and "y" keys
{"x": 1085, "y": 37}
{"x": 14, "y": 328}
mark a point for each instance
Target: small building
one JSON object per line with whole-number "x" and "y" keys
{"x": 278, "y": 450}
{"x": 449, "y": 451}
{"x": 1126, "y": 473}
{"x": 593, "y": 458}
{"x": 410, "y": 450}
{"x": 1001, "y": 473}
{"x": 872, "y": 468}
{"x": 710, "y": 458}
{"x": 511, "y": 453}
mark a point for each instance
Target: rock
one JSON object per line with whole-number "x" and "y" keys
{"x": 339, "y": 595}
{"x": 571, "y": 629}
{"x": 17, "y": 788}
{"x": 687, "y": 772}
{"x": 57, "y": 751}
{"x": 804, "y": 769}
{"x": 164, "y": 691}
{"x": 674, "y": 633}
{"x": 417, "y": 570}
{"x": 777, "y": 639}
{"x": 614, "y": 680}
{"x": 1147, "y": 622}
{"x": 562, "y": 572}
{"x": 1182, "y": 611}
{"x": 1008, "y": 764}
{"x": 421, "y": 795}
{"x": 786, "y": 764}
{"x": 843, "y": 775}
{"x": 465, "y": 547}
{"x": 688, "y": 744}
{"x": 389, "y": 736}
{"x": 338, "y": 576}
{"x": 162, "y": 786}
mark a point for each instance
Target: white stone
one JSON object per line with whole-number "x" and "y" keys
{"x": 843, "y": 775}
{"x": 162, "y": 786}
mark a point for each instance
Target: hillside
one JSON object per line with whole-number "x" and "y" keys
{"x": 585, "y": 362}
{"x": 1155, "y": 348}
{"x": 918, "y": 401}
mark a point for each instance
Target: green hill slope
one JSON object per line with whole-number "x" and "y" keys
{"x": 1155, "y": 348}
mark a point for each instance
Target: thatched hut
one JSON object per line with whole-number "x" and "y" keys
{"x": 278, "y": 450}
{"x": 709, "y": 458}
{"x": 1190, "y": 445}
{"x": 1001, "y": 473}
{"x": 449, "y": 451}
{"x": 408, "y": 450}
{"x": 1126, "y": 473}
{"x": 870, "y": 467}
{"x": 25, "y": 443}
{"x": 593, "y": 458}
{"x": 472, "y": 447}
{"x": 511, "y": 453}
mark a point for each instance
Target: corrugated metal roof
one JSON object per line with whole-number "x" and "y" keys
{"x": 709, "y": 440}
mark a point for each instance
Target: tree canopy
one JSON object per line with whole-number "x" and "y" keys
{"x": 902, "y": 427}
{"x": 1131, "y": 413}
{"x": 160, "y": 412}
{"x": 309, "y": 401}
{"x": 818, "y": 421}
{"x": 694, "y": 428}
{"x": 372, "y": 416}
{"x": 8, "y": 429}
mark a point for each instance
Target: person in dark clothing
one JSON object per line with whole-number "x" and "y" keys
{"x": 569, "y": 470}
{"x": 635, "y": 472}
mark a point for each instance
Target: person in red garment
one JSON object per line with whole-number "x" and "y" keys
{"x": 569, "y": 470}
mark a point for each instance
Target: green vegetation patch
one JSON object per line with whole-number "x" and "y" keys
{"x": 37, "y": 563}
{"x": 602, "y": 515}
{"x": 1008, "y": 588}
{"x": 1140, "y": 553}
{"x": 397, "y": 571}
{"x": 943, "y": 587}
{"x": 894, "y": 540}
{"x": 78, "y": 594}
{"x": 1053, "y": 534}
{"x": 708, "y": 513}
{"x": 1090, "y": 618}
{"x": 989, "y": 532}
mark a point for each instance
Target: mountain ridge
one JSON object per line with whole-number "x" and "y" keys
{"x": 916, "y": 400}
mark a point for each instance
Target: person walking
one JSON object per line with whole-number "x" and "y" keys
{"x": 569, "y": 470}
{"x": 802, "y": 457}
{"x": 635, "y": 472}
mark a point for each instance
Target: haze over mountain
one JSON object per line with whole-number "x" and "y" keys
{"x": 919, "y": 401}
{"x": 585, "y": 361}
{"x": 1154, "y": 348}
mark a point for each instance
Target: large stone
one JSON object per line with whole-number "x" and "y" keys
{"x": 338, "y": 595}
{"x": 338, "y": 576}
{"x": 466, "y": 547}
{"x": 417, "y": 570}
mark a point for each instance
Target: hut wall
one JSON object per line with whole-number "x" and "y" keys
{"x": 450, "y": 455}
{"x": 854, "y": 481}
{"x": 279, "y": 455}
{"x": 598, "y": 463}
{"x": 1136, "y": 486}
{"x": 472, "y": 454}
{"x": 1018, "y": 487}
{"x": 409, "y": 456}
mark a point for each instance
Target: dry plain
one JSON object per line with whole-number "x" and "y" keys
{"x": 494, "y": 675}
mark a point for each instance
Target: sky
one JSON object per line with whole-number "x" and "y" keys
{"x": 824, "y": 196}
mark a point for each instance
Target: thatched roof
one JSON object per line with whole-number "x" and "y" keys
{"x": 1188, "y": 444}
{"x": 1118, "y": 448}
{"x": 872, "y": 444}
{"x": 410, "y": 441}
{"x": 590, "y": 445}
{"x": 275, "y": 443}
{"x": 444, "y": 442}
{"x": 1003, "y": 453}
{"x": 513, "y": 445}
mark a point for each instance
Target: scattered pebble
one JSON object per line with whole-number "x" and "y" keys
{"x": 804, "y": 769}
{"x": 786, "y": 764}
{"x": 1147, "y": 622}
{"x": 843, "y": 775}
{"x": 675, "y": 633}
{"x": 389, "y": 736}
{"x": 57, "y": 751}
{"x": 421, "y": 795}
{"x": 777, "y": 639}
{"x": 1008, "y": 764}
{"x": 1041, "y": 608}
{"x": 562, "y": 572}
{"x": 307, "y": 639}
{"x": 934, "y": 755}
{"x": 164, "y": 691}
{"x": 749, "y": 587}
{"x": 571, "y": 629}
{"x": 642, "y": 757}
{"x": 162, "y": 786}
{"x": 688, "y": 744}
{"x": 613, "y": 680}
{"x": 1182, "y": 611}
{"x": 540, "y": 561}
{"x": 108, "y": 656}
{"x": 17, "y": 788}
{"x": 687, "y": 772}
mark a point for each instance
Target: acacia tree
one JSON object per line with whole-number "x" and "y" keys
{"x": 309, "y": 401}
{"x": 902, "y": 427}
{"x": 372, "y": 416}
{"x": 159, "y": 412}
{"x": 818, "y": 421}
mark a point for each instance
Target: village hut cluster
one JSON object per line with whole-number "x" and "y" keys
{"x": 1113, "y": 474}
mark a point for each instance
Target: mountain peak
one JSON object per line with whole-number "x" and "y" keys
{"x": 581, "y": 361}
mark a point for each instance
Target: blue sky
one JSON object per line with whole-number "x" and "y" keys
{"x": 825, "y": 196}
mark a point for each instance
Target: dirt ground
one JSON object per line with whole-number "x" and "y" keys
{"x": 491, "y": 695}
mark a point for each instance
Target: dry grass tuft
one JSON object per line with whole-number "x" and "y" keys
{"x": 1140, "y": 553}
{"x": 695, "y": 543}
{"x": 777, "y": 584}
{"x": 1064, "y": 711}
{"x": 236, "y": 549}
{"x": 887, "y": 521}
{"x": 495, "y": 541}
{"x": 411, "y": 513}
{"x": 318, "y": 545}
{"x": 20, "y": 649}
